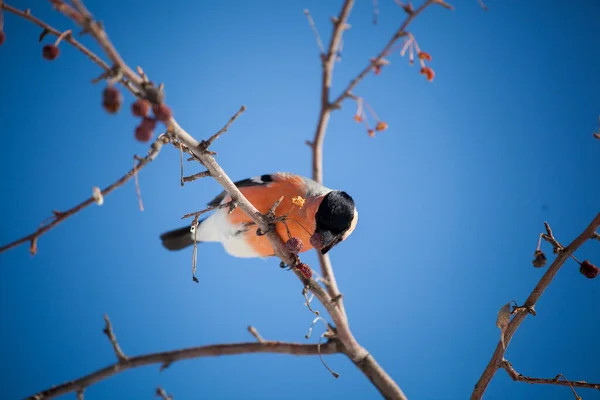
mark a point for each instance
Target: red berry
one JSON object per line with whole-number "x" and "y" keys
{"x": 144, "y": 131}
{"x": 294, "y": 245}
{"x": 424, "y": 56}
{"x": 304, "y": 270}
{"x": 50, "y": 52}
{"x": 140, "y": 108}
{"x": 2, "y": 37}
{"x": 381, "y": 126}
{"x": 589, "y": 270}
{"x": 111, "y": 99}
{"x": 316, "y": 240}
{"x": 428, "y": 72}
{"x": 162, "y": 112}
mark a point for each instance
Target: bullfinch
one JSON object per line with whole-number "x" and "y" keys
{"x": 326, "y": 218}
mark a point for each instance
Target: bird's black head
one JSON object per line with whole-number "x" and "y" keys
{"x": 335, "y": 218}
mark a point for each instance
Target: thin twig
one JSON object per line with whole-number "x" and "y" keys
{"x": 181, "y": 178}
{"x": 375, "y": 11}
{"x": 137, "y": 182}
{"x": 195, "y": 249}
{"x": 313, "y": 27}
{"x": 108, "y": 331}
{"x": 191, "y": 178}
{"x": 496, "y": 360}
{"x": 207, "y": 209}
{"x": 549, "y": 237}
{"x": 60, "y": 216}
{"x": 515, "y": 376}
{"x": 255, "y": 333}
{"x": 162, "y": 393}
{"x": 206, "y": 143}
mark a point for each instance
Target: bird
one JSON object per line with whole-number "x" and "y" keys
{"x": 326, "y": 218}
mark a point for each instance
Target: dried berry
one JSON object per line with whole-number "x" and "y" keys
{"x": 588, "y": 269}
{"x": 424, "y": 56}
{"x": 294, "y": 245}
{"x": 162, "y": 112}
{"x": 111, "y": 99}
{"x": 540, "y": 259}
{"x": 50, "y": 52}
{"x": 358, "y": 118}
{"x": 316, "y": 240}
{"x": 428, "y": 72}
{"x": 140, "y": 108}
{"x": 304, "y": 270}
{"x": 381, "y": 126}
{"x": 2, "y": 37}
{"x": 371, "y": 132}
{"x": 144, "y": 131}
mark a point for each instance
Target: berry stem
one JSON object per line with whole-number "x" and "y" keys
{"x": 62, "y": 36}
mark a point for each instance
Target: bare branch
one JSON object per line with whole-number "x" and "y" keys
{"x": 108, "y": 331}
{"x": 168, "y": 357}
{"x": 255, "y": 333}
{"x": 138, "y": 191}
{"x": 162, "y": 393}
{"x": 60, "y": 216}
{"x": 375, "y": 11}
{"x": 192, "y": 178}
{"x": 313, "y": 27}
{"x": 207, "y": 209}
{"x": 546, "y": 381}
{"x": 206, "y": 143}
{"x": 498, "y": 356}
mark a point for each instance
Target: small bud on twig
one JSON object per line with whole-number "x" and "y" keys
{"x": 97, "y": 194}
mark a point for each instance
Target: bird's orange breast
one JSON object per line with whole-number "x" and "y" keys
{"x": 300, "y": 221}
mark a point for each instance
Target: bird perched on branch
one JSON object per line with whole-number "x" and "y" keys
{"x": 320, "y": 217}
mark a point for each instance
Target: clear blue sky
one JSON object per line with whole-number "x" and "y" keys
{"x": 451, "y": 198}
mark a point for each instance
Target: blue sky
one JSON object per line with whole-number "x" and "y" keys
{"x": 451, "y": 198}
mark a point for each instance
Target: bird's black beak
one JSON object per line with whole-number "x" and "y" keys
{"x": 329, "y": 240}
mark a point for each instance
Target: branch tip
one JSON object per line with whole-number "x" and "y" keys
{"x": 108, "y": 331}
{"x": 255, "y": 333}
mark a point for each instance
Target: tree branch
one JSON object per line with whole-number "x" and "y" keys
{"x": 496, "y": 361}
{"x": 545, "y": 381}
{"x": 344, "y": 342}
{"x": 377, "y": 375}
{"x": 60, "y": 216}
{"x": 166, "y": 358}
